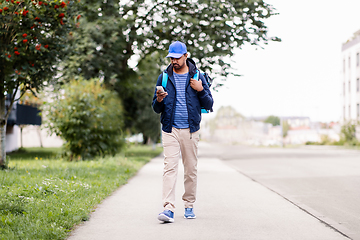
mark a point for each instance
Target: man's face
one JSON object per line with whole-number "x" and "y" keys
{"x": 179, "y": 63}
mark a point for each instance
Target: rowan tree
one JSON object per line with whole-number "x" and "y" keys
{"x": 34, "y": 36}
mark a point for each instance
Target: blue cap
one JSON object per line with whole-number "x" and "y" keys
{"x": 177, "y": 49}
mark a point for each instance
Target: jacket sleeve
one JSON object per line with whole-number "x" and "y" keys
{"x": 158, "y": 107}
{"x": 205, "y": 97}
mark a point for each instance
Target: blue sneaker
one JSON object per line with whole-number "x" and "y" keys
{"x": 189, "y": 213}
{"x": 166, "y": 216}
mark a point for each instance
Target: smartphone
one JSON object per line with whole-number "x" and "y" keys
{"x": 160, "y": 88}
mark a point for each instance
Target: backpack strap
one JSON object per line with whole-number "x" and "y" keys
{"x": 164, "y": 79}
{"x": 196, "y": 76}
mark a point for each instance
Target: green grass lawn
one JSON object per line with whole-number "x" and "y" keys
{"x": 43, "y": 196}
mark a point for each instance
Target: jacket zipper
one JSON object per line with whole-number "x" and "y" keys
{"x": 186, "y": 99}
{"x": 174, "y": 102}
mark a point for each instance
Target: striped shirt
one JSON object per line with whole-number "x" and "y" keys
{"x": 181, "y": 118}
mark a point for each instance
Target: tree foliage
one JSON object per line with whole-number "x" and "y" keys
{"x": 117, "y": 34}
{"x": 88, "y": 117}
{"x": 116, "y": 31}
{"x": 285, "y": 128}
{"x": 274, "y": 120}
{"x": 33, "y": 37}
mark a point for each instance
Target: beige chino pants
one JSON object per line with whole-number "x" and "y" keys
{"x": 174, "y": 143}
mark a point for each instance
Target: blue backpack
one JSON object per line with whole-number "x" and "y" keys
{"x": 196, "y": 77}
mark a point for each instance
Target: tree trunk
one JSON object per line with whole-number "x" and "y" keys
{"x": 21, "y": 136}
{"x": 39, "y": 133}
{"x": 3, "y": 163}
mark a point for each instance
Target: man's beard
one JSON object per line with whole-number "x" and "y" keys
{"x": 177, "y": 66}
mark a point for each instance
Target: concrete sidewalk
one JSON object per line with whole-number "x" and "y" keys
{"x": 229, "y": 206}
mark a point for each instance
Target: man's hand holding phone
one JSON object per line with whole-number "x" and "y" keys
{"x": 160, "y": 93}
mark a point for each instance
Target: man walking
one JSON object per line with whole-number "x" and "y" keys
{"x": 180, "y": 107}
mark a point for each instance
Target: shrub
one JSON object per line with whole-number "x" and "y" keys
{"x": 348, "y": 134}
{"x": 88, "y": 117}
{"x": 325, "y": 140}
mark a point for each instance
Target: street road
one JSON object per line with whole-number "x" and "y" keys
{"x": 322, "y": 181}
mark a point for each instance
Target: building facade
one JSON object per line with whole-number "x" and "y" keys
{"x": 350, "y": 77}
{"x": 23, "y": 128}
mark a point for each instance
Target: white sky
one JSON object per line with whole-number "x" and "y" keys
{"x": 299, "y": 76}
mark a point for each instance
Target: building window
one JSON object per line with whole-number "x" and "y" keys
{"x": 357, "y": 85}
{"x": 357, "y": 110}
{"x": 349, "y": 62}
{"x": 357, "y": 59}
{"x": 349, "y": 112}
{"x": 349, "y": 86}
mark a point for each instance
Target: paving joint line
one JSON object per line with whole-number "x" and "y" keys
{"x": 297, "y": 205}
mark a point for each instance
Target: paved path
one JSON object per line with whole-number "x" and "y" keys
{"x": 229, "y": 206}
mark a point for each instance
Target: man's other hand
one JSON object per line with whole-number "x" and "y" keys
{"x": 196, "y": 85}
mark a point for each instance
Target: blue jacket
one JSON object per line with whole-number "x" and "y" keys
{"x": 194, "y": 100}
